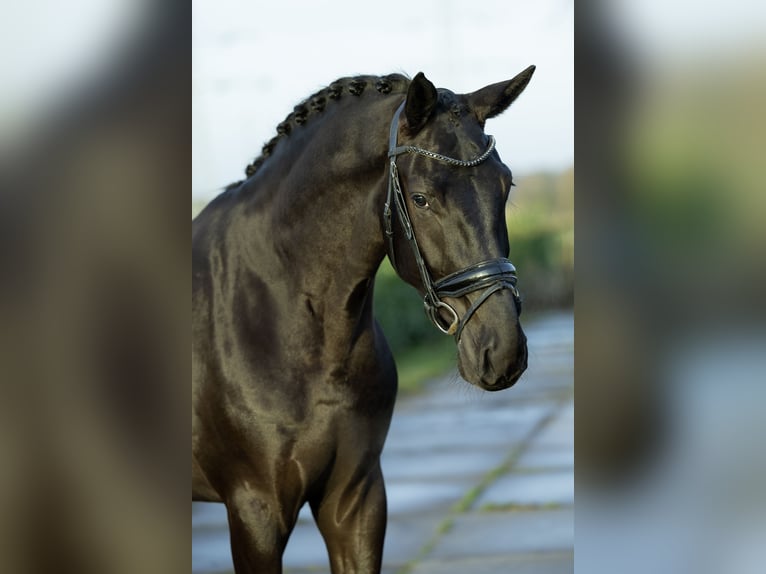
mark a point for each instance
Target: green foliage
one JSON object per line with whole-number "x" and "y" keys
{"x": 537, "y": 248}
{"x": 399, "y": 308}
{"x": 541, "y": 235}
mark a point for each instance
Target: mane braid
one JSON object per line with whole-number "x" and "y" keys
{"x": 318, "y": 102}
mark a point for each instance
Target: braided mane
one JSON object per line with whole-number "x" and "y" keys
{"x": 316, "y": 104}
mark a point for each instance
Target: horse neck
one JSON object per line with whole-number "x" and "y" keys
{"x": 317, "y": 204}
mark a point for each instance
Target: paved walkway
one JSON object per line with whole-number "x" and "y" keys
{"x": 477, "y": 483}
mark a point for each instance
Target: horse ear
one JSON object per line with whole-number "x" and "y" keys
{"x": 421, "y": 101}
{"x": 493, "y": 100}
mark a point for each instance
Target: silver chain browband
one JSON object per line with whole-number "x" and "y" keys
{"x": 443, "y": 158}
{"x": 492, "y": 275}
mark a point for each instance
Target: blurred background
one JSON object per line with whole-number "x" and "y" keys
{"x": 94, "y": 286}
{"x": 670, "y": 331}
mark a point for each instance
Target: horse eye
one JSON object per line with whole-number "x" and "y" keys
{"x": 420, "y": 200}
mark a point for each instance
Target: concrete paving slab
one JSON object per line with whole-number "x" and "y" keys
{"x": 211, "y": 550}
{"x": 547, "y": 563}
{"x": 406, "y": 536}
{"x": 306, "y": 548}
{"x": 532, "y": 488}
{"x": 548, "y": 367}
{"x": 385, "y": 570}
{"x": 415, "y": 497}
{"x": 440, "y": 464}
{"x": 546, "y": 458}
{"x": 478, "y": 534}
{"x": 541, "y": 387}
{"x": 210, "y": 559}
{"x": 488, "y": 436}
{"x": 437, "y": 429}
{"x": 559, "y": 434}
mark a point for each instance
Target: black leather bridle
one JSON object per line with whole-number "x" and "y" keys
{"x": 492, "y": 275}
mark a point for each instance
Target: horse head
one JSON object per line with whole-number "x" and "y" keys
{"x": 445, "y": 221}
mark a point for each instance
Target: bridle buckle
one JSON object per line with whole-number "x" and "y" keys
{"x": 432, "y": 310}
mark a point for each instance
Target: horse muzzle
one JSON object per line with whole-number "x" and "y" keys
{"x": 492, "y": 353}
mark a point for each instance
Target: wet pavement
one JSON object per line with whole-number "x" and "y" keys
{"x": 476, "y": 482}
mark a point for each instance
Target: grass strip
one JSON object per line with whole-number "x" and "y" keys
{"x": 470, "y": 497}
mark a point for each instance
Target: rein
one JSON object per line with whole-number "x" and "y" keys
{"x": 492, "y": 275}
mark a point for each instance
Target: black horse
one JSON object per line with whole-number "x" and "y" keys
{"x": 293, "y": 383}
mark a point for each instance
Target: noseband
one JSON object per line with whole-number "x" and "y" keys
{"x": 492, "y": 275}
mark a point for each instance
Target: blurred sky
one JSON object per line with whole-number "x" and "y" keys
{"x": 253, "y": 61}
{"x": 666, "y": 33}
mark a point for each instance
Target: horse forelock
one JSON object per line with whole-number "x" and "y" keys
{"x": 316, "y": 103}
